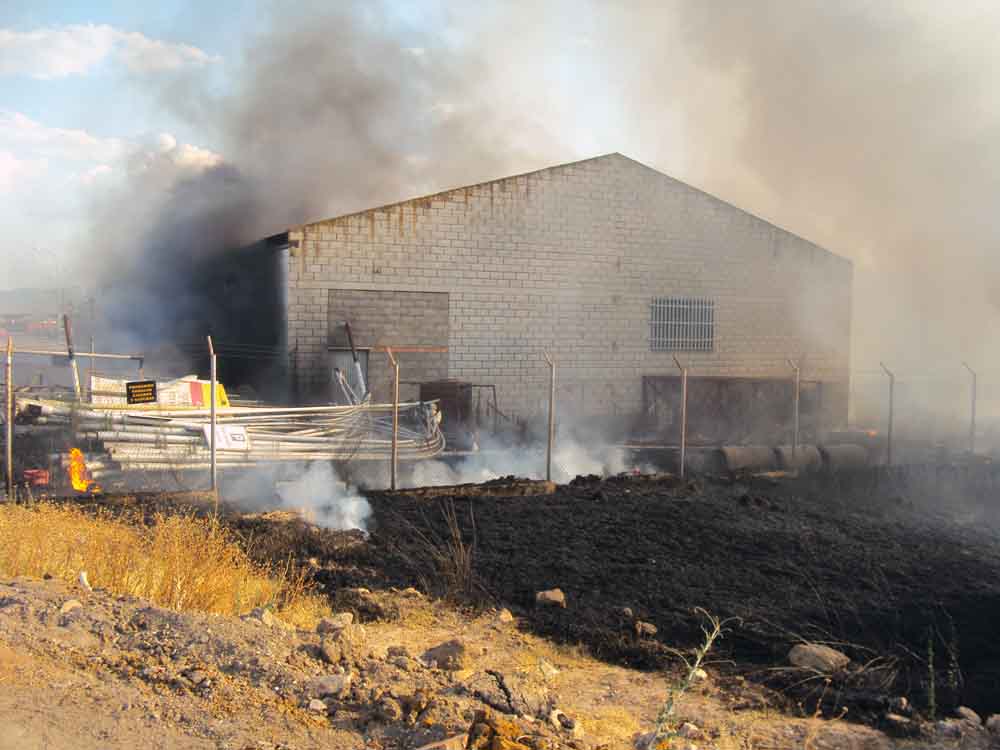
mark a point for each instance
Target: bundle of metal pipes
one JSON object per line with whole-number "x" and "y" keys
{"x": 119, "y": 438}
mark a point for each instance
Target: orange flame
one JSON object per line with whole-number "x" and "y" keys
{"x": 78, "y": 473}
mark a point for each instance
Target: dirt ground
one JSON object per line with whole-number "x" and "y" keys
{"x": 880, "y": 570}
{"x": 84, "y": 669}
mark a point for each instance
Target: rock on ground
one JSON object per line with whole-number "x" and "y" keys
{"x": 451, "y": 656}
{"x": 816, "y": 656}
{"x": 335, "y": 623}
{"x": 551, "y": 598}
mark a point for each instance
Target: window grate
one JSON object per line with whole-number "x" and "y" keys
{"x": 682, "y": 324}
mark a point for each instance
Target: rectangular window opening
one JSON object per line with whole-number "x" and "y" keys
{"x": 682, "y": 324}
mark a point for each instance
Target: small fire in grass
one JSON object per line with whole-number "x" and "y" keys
{"x": 78, "y": 474}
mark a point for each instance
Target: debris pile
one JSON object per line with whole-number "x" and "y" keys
{"x": 114, "y": 438}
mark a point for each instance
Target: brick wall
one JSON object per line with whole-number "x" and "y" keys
{"x": 381, "y": 318}
{"x": 568, "y": 259}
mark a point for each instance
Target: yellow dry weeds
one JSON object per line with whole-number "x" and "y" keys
{"x": 179, "y": 562}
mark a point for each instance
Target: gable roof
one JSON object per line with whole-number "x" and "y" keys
{"x": 282, "y": 237}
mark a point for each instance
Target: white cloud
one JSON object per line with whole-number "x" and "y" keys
{"x": 140, "y": 54}
{"x": 26, "y": 139}
{"x": 22, "y": 134}
{"x": 15, "y": 171}
{"x": 167, "y": 159}
{"x": 56, "y": 52}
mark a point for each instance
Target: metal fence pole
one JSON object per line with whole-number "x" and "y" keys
{"x": 67, "y": 329}
{"x": 9, "y": 421}
{"x": 552, "y": 415}
{"x": 212, "y": 418}
{"x": 892, "y": 402}
{"x": 684, "y": 413}
{"x": 395, "y": 418}
{"x": 795, "y": 407}
{"x": 972, "y": 419}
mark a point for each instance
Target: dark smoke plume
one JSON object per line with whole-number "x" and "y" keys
{"x": 866, "y": 127}
{"x": 338, "y": 113}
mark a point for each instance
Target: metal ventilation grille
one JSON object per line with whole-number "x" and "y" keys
{"x": 681, "y": 324}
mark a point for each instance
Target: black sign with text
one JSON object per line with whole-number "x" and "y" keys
{"x": 141, "y": 392}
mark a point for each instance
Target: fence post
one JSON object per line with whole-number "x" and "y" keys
{"x": 684, "y": 412}
{"x": 212, "y": 419}
{"x": 972, "y": 419}
{"x": 9, "y": 421}
{"x": 795, "y": 407}
{"x": 395, "y": 418}
{"x": 552, "y": 415}
{"x": 67, "y": 329}
{"x": 892, "y": 400}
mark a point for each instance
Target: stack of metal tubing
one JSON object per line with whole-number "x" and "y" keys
{"x": 121, "y": 439}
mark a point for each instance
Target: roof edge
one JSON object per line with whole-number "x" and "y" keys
{"x": 449, "y": 191}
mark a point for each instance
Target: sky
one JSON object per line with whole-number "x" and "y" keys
{"x": 73, "y": 110}
{"x": 867, "y": 126}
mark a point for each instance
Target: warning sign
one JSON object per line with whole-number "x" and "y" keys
{"x": 140, "y": 392}
{"x": 228, "y": 437}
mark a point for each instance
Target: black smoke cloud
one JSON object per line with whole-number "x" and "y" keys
{"x": 867, "y": 127}
{"x": 334, "y": 113}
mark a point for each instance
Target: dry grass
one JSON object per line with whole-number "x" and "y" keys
{"x": 444, "y": 564}
{"x": 179, "y": 562}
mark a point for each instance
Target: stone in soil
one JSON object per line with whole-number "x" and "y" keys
{"x": 645, "y": 629}
{"x": 330, "y": 651}
{"x": 335, "y": 623}
{"x": 967, "y": 714}
{"x": 816, "y": 656}
{"x": 332, "y": 684}
{"x": 551, "y": 598}
{"x": 451, "y": 656}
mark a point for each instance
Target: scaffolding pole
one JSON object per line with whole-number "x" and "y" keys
{"x": 212, "y": 420}
{"x": 684, "y": 413}
{"x": 892, "y": 402}
{"x": 395, "y": 419}
{"x": 9, "y": 421}
{"x": 552, "y": 415}
{"x": 797, "y": 369}
{"x": 972, "y": 416}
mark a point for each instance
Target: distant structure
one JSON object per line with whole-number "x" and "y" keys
{"x": 612, "y": 267}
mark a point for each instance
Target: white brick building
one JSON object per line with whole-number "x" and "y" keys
{"x": 609, "y": 265}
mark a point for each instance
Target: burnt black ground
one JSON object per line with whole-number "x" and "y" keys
{"x": 862, "y": 563}
{"x": 882, "y": 566}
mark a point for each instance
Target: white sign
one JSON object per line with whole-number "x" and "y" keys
{"x": 228, "y": 437}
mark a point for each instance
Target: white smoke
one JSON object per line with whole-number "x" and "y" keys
{"x": 570, "y": 459}
{"x": 316, "y": 491}
{"x": 325, "y": 499}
